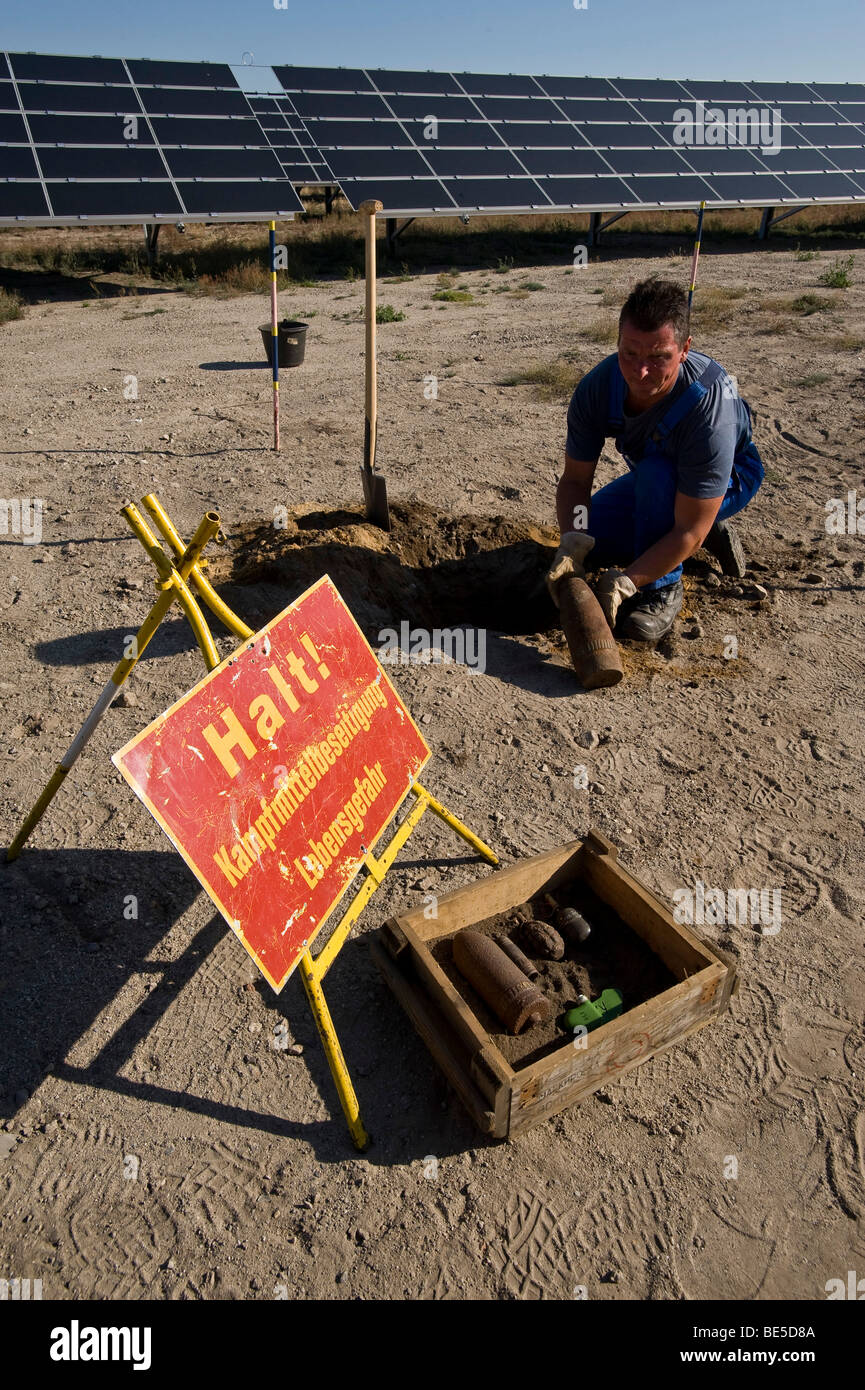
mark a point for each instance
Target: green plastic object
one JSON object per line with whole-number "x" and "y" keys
{"x": 594, "y": 1012}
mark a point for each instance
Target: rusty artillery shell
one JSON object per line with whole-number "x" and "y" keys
{"x": 511, "y": 949}
{"x": 593, "y": 649}
{"x": 513, "y": 998}
{"x": 540, "y": 939}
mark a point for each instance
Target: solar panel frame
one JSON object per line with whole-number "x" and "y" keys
{"x": 142, "y": 200}
{"x": 20, "y": 201}
{"x": 674, "y": 190}
{"x": 475, "y": 135}
{"x": 224, "y": 164}
{"x": 499, "y": 108}
{"x": 213, "y": 132}
{"x": 752, "y": 190}
{"x": 648, "y": 161}
{"x": 546, "y": 135}
{"x": 348, "y": 106}
{"x": 311, "y": 79}
{"x": 393, "y": 82}
{"x": 845, "y": 189}
{"x": 585, "y": 87}
{"x": 582, "y": 111}
{"x": 13, "y": 130}
{"x": 336, "y": 135}
{"x": 59, "y": 162}
{"x": 18, "y": 162}
{"x": 223, "y": 200}
{"x": 839, "y": 91}
{"x": 649, "y": 88}
{"x": 401, "y": 197}
{"x": 465, "y": 163}
{"x": 733, "y": 159}
{"x": 89, "y": 98}
{"x": 85, "y": 130}
{"x": 497, "y": 84}
{"x": 565, "y": 162}
{"x": 186, "y": 101}
{"x": 622, "y": 137}
{"x": 79, "y": 158}
{"x": 826, "y": 135}
{"x": 487, "y": 195}
{"x": 385, "y": 164}
{"x": 721, "y": 93}
{"x": 595, "y": 193}
{"x": 771, "y": 93}
{"x": 158, "y": 72}
{"x": 409, "y": 107}
{"x": 50, "y": 67}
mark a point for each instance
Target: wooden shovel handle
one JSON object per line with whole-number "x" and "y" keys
{"x": 369, "y": 210}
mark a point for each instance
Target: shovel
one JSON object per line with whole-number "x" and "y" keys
{"x": 374, "y": 486}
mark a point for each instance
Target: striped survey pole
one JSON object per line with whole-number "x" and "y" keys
{"x": 274, "y": 347}
{"x": 696, "y": 256}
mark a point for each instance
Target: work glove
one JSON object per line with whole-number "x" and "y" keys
{"x": 574, "y": 546}
{"x": 611, "y": 589}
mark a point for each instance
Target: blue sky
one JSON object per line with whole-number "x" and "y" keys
{"x": 773, "y": 39}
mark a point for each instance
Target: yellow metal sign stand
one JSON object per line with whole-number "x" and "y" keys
{"x": 184, "y": 563}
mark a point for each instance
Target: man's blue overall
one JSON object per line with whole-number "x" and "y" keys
{"x": 632, "y": 512}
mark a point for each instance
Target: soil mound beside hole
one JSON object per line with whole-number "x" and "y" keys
{"x": 432, "y": 569}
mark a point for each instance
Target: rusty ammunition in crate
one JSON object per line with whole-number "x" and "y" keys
{"x": 500, "y": 983}
{"x": 592, "y": 646}
{"x": 540, "y": 939}
{"x": 511, "y": 949}
{"x": 571, "y": 924}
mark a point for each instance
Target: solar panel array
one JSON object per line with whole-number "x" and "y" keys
{"x": 454, "y": 142}
{"x": 116, "y": 140}
{"x": 113, "y": 140}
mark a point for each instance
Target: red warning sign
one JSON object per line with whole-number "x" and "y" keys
{"x": 278, "y": 771}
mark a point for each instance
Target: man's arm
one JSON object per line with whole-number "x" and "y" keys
{"x": 693, "y": 518}
{"x": 575, "y": 490}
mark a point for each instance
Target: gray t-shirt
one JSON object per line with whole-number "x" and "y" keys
{"x": 702, "y": 445}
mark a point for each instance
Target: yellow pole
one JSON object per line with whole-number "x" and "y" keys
{"x": 333, "y": 1051}
{"x": 216, "y": 605}
{"x": 444, "y": 814}
{"x": 174, "y": 582}
{"x": 205, "y": 532}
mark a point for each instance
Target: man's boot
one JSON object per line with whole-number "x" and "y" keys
{"x": 650, "y": 617}
{"x": 723, "y": 542}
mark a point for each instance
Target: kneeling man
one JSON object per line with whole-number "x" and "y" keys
{"x": 685, "y": 434}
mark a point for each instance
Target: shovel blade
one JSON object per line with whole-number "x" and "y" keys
{"x": 375, "y": 498}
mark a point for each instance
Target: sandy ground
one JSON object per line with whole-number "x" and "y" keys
{"x": 156, "y": 1143}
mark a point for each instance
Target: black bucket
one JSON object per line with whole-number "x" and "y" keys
{"x": 291, "y": 336}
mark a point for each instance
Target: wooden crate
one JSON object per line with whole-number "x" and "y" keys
{"x": 504, "y": 1100}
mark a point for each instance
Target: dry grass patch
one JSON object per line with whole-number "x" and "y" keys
{"x": 552, "y": 381}
{"x": 10, "y": 307}
{"x": 602, "y": 330}
{"x": 715, "y": 306}
{"x": 803, "y": 304}
{"x": 774, "y": 327}
{"x": 844, "y": 342}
